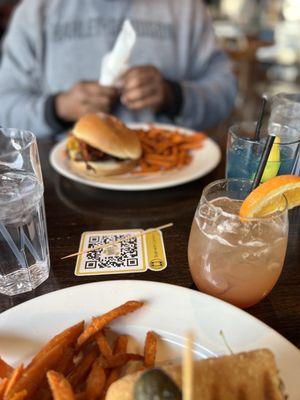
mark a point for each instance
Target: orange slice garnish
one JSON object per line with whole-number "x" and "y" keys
{"x": 268, "y": 197}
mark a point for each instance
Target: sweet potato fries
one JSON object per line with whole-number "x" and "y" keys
{"x": 165, "y": 150}
{"x": 78, "y": 363}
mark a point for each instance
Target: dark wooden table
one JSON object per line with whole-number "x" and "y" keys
{"x": 73, "y": 208}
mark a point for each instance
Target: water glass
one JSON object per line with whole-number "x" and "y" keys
{"x": 285, "y": 113}
{"x": 24, "y": 253}
{"x": 237, "y": 260}
{"x": 244, "y": 152}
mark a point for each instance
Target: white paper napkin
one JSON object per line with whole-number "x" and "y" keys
{"x": 115, "y": 63}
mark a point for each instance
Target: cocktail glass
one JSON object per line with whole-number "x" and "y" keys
{"x": 236, "y": 260}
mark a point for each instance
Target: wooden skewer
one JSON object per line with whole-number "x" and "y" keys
{"x": 103, "y": 246}
{"x": 225, "y": 342}
{"x": 187, "y": 369}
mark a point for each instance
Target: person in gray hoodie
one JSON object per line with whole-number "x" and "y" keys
{"x": 53, "y": 50}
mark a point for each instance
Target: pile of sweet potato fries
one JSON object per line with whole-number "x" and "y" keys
{"x": 165, "y": 150}
{"x": 79, "y": 363}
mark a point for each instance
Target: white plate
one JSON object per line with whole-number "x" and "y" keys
{"x": 204, "y": 161}
{"x": 169, "y": 310}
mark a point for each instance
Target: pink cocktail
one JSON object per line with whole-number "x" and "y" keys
{"x": 236, "y": 260}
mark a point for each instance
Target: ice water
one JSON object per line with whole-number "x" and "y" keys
{"x": 237, "y": 261}
{"x": 24, "y": 254}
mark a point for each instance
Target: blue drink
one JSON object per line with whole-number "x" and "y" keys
{"x": 244, "y": 153}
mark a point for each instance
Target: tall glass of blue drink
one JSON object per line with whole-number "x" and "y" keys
{"x": 244, "y": 152}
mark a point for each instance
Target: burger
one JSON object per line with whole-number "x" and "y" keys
{"x": 101, "y": 145}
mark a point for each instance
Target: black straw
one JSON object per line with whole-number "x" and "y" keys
{"x": 263, "y": 161}
{"x": 261, "y": 117}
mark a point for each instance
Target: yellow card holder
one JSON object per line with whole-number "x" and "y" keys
{"x": 134, "y": 255}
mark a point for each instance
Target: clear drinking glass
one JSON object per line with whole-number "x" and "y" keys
{"x": 244, "y": 153}
{"x": 236, "y": 260}
{"x": 24, "y": 253}
{"x": 285, "y": 112}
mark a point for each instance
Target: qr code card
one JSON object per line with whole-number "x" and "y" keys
{"x": 114, "y": 255}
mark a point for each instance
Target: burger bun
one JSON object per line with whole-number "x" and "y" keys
{"x": 108, "y": 134}
{"x": 97, "y": 169}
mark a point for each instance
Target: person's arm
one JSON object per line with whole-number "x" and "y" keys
{"x": 209, "y": 88}
{"x": 22, "y": 92}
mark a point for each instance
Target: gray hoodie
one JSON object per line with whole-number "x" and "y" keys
{"x": 51, "y": 44}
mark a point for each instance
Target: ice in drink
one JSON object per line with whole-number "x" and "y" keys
{"x": 237, "y": 261}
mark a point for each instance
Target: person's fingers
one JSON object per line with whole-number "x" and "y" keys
{"x": 94, "y": 89}
{"x": 109, "y": 91}
{"x": 149, "y": 102}
{"x": 139, "y": 93}
{"x": 140, "y": 80}
{"x": 138, "y": 70}
{"x": 100, "y": 102}
{"x": 139, "y": 77}
{"x": 93, "y": 108}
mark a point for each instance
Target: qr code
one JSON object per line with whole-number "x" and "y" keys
{"x": 120, "y": 254}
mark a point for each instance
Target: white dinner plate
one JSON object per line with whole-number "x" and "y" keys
{"x": 204, "y": 161}
{"x": 169, "y": 310}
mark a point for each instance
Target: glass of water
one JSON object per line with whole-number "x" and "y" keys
{"x": 24, "y": 253}
{"x": 285, "y": 113}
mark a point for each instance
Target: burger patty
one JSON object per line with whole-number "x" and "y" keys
{"x": 88, "y": 153}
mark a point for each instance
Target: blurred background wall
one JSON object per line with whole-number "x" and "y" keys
{"x": 262, "y": 37}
